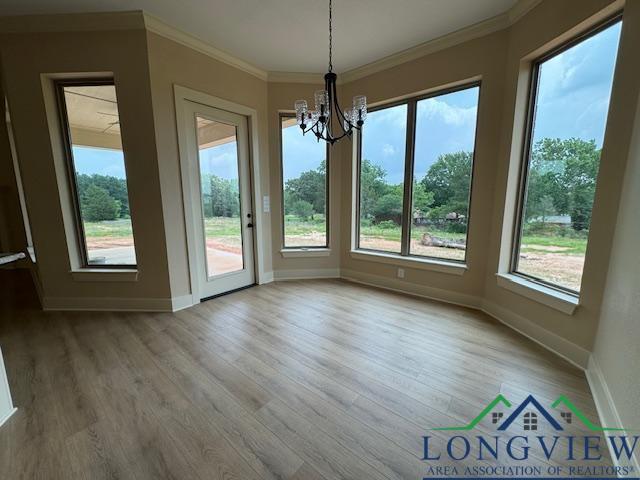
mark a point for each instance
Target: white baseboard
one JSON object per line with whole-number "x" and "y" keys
{"x": 266, "y": 277}
{"x": 7, "y": 416}
{"x": 6, "y": 405}
{"x": 606, "y": 407}
{"x": 306, "y": 274}
{"x": 571, "y": 352}
{"x": 409, "y": 288}
{"x": 181, "y": 302}
{"x": 109, "y": 304}
{"x": 562, "y": 347}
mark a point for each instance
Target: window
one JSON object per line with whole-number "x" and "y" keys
{"x": 381, "y": 179}
{"x": 90, "y": 119}
{"x": 304, "y": 187}
{"x": 530, "y": 421}
{"x": 567, "y": 115}
{"x": 414, "y": 175}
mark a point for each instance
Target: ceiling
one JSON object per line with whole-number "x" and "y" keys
{"x": 291, "y": 35}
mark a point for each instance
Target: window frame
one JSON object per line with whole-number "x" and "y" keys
{"x": 525, "y": 157}
{"x": 409, "y": 166}
{"x": 59, "y": 86}
{"x": 284, "y": 247}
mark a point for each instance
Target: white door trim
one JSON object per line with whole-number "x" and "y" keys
{"x": 182, "y": 94}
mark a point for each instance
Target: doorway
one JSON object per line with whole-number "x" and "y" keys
{"x": 216, "y": 165}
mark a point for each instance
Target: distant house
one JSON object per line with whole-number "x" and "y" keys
{"x": 552, "y": 220}
{"x": 420, "y": 218}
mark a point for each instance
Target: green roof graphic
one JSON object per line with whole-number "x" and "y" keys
{"x": 483, "y": 413}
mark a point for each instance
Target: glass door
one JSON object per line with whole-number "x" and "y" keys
{"x": 219, "y": 168}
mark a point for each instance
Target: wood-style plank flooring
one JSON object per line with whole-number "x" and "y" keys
{"x": 296, "y": 380}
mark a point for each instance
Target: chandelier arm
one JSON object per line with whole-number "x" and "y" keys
{"x": 339, "y": 113}
{"x": 330, "y": 111}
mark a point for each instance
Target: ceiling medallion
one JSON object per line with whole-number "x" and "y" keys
{"x": 321, "y": 120}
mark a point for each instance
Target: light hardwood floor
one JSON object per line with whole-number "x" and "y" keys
{"x": 296, "y": 380}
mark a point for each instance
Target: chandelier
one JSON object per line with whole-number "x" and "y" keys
{"x": 321, "y": 120}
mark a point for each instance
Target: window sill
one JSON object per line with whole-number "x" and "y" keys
{"x": 305, "y": 252}
{"x": 563, "y": 302}
{"x": 105, "y": 275}
{"x": 441, "y": 266}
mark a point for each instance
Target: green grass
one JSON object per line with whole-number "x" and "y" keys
{"x": 230, "y": 227}
{"x": 222, "y": 226}
{"x": 111, "y": 229}
{"x": 570, "y": 246}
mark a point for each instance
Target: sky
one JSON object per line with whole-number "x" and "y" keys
{"x": 221, "y": 160}
{"x": 102, "y": 161}
{"x": 300, "y": 153}
{"x": 573, "y": 100}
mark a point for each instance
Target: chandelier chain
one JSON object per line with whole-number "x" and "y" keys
{"x": 328, "y": 121}
{"x": 330, "y": 36}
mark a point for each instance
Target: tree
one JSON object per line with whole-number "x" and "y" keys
{"x": 422, "y": 199}
{"x": 566, "y": 171}
{"x": 372, "y": 187}
{"x": 97, "y": 205}
{"x": 448, "y": 179}
{"x": 116, "y": 187}
{"x": 220, "y": 196}
{"x": 310, "y": 186}
{"x": 302, "y": 209}
{"x": 389, "y": 206}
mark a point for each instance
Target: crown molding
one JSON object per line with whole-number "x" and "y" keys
{"x": 295, "y": 77}
{"x": 477, "y": 30}
{"x": 143, "y": 20}
{"x": 446, "y": 41}
{"x": 155, "y": 25}
{"x": 520, "y": 9}
{"x": 72, "y": 22}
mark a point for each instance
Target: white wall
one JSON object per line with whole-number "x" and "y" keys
{"x": 6, "y": 405}
{"x": 613, "y": 371}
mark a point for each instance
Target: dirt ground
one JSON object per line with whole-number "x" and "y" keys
{"x": 562, "y": 269}
{"x": 225, "y": 255}
{"x": 316, "y": 239}
{"x": 98, "y": 243}
{"x": 417, "y": 248}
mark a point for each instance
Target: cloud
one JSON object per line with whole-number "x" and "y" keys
{"x": 394, "y": 116}
{"x": 434, "y": 109}
{"x": 388, "y": 150}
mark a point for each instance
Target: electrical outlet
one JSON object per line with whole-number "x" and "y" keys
{"x": 401, "y": 273}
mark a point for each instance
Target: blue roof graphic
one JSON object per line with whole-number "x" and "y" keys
{"x": 530, "y": 400}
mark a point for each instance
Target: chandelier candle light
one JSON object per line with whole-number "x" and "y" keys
{"x": 320, "y": 120}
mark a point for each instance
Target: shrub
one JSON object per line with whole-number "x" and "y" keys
{"x": 387, "y": 225}
{"x": 97, "y": 205}
{"x": 456, "y": 227}
{"x": 302, "y": 209}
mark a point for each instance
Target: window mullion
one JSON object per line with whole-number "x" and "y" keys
{"x": 408, "y": 178}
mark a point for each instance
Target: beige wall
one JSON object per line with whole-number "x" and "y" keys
{"x": 25, "y": 58}
{"x": 281, "y": 99}
{"x": 147, "y": 66}
{"x": 616, "y": 352}
{"x": 498, "y": 59}
{"x": 12, "y": 233}
{"x": 478, "y": 59}
{"x": 171, "y": 63}
{"x": 546, "y": 26}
